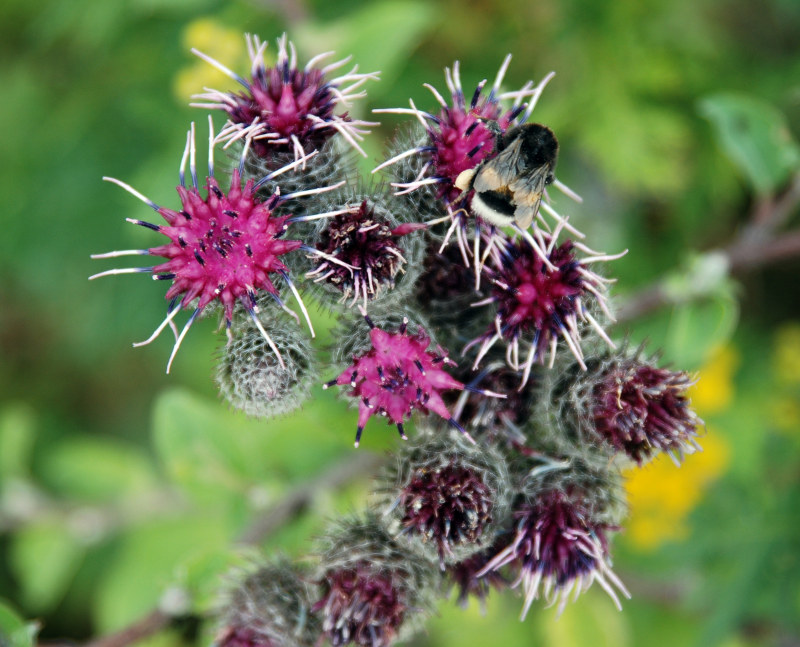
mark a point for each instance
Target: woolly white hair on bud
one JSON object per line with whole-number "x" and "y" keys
{"x": 250, "y": 375}
{"x": 269, "y": 604}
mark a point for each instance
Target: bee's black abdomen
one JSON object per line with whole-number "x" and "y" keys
{"x": 498, "y": 202}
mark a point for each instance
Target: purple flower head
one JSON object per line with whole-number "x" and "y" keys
{"x": 540, "y": 296}
{"x": 447, "y": 506}
{"x": 361, "y": 606}
{"x": 557, "y": 551}
{"x": 641, "y": 409}
{"x": 287, "y": 109}
{"x": 362, "y": 253}
{"x": 458, "y": 138}
{"x": 224, "y": 248}
{"x": 397, "y": 376}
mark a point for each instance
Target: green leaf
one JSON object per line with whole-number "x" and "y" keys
{"x": 219, "y": 455}
{"x": 97, "y": 469}
{"x": 148, "y": 564}
{"x": 14, "y": 630}
{"x": 204, "y": 575}
{"x": 363, "y": 34}
{"x": 17, "y": 434}
{"x": 44, "y": 558}
{"x": 704, "y": 317}
{"x": 756, "y": 137}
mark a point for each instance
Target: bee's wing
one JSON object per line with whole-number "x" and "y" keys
{"x": 500, "y": 171}
{"x": 527, "y": 191}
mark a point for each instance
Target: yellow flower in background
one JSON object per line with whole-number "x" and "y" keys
{"x": 785, "y": 405}
{"x": 713, "y": 391}
{"x": 221, "y": 43}
{"x": 786, "y": 354}
{"x": 661, "y": 495}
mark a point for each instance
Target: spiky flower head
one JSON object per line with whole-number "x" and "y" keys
{"x": 224, "y": 248}
{"x": 541, "y": 297}
{"x": 270, "y": 607}
{"x": 249, "y": 375}
{"x": 641, "y": 409}
{"x": 556, "y": 552}
{"x": 362, "y": 251}
{"x": 397, "y": 376}
{"x": 371, "y": 592}
{"x": 446, "y": 496}
{"x": 458, "y": 137}
{"x": 560, "y": 543}
{"x": 285, "y": 108}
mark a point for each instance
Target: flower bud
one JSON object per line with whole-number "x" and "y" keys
{"x": 249, "y": 374}
{"x": 445, "y": 498}
{"x": 372, "y": 592}
{"x": 270, "y": 608}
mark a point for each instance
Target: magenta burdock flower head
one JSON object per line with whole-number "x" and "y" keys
{"x": 372, "y": 593}
{"x": 559, "y": 548}
{"x": 269, "y": 607}
{"x": 285, "y": 108}
{"x": 541, "y": 298}
{"x": 458, "y": 137}
{"x": 224, "y": 248}
{"x": 640, "y": 409}
{"x": 445, "y": 498}
{"x": 396, "y": 376}
{"x": 363, "y": 251}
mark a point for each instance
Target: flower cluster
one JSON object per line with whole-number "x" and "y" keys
{"x": 515, "y": 481}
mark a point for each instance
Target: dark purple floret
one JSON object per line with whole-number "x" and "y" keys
{"x": 539, "y": 299}
{"x": 366, "y": 249}
{"x": 361, "y": 607}
{"x": 641, "y": 409}
{"x": 448, "y": 506}
{"x": 557, "y": 551}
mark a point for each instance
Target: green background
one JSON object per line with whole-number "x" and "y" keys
{"x": 121, "y": 486}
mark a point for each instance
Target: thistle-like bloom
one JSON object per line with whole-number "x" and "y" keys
{"x": 224, "y": 248}
{"x": 397, "y": 376}
{"x": 541, "y": 299}
{"x": 447, "y": 506}
{"x": 371, "y": 592}
{"x": 270, "y": 607}
{"x": 286, "y": 109}
{"x": 459, "y": 139}
{"x": 361, "y": 607}
{"x": 641, "y": 409}
{"x": 557, "y": 551}
{"x": 367, "y": 249}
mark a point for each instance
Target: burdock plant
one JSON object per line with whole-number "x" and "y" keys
{"x": 499, "y": 332}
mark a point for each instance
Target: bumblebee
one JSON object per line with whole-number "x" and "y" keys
{"x": 509, "y": 186}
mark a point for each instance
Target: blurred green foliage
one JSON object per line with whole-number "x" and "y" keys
{"x": 120, "y": 485}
